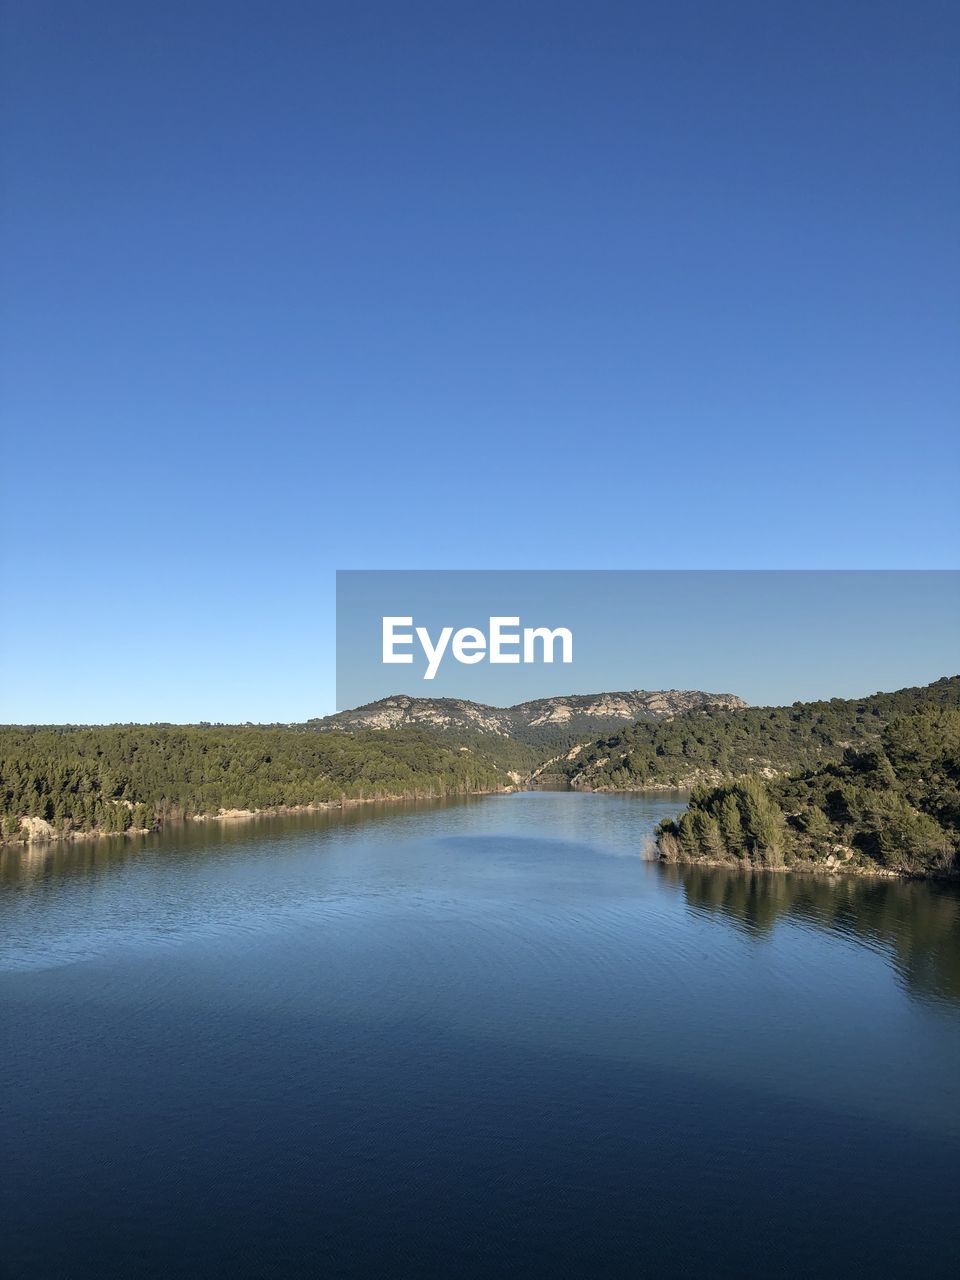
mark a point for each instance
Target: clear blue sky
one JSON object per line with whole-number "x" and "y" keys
{"x": 771, "y": 637}
{"x": 290, "y": 287}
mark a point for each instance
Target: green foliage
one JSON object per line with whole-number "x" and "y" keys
{"x": 895, "y": 805}
{"x": 713, "y": 744}
{"x": 123, "y": 777}
{"x": 507, "y": 753}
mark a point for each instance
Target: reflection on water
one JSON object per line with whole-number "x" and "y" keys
{"x": 916, "y": 922}
{"x": 65, "y": 902}
{"x": 77, "y": 859}
{"x": 478, "y": 1038}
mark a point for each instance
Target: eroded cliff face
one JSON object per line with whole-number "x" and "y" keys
{"x": 402, "y": 711}
{"x": 572, "y": 712}
{"x": 637, "y": 704}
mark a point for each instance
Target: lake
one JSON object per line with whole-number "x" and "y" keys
{"x": 470, "y": 1039}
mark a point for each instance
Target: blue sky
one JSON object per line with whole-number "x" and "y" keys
{"x": 770, "y": 636}
{"x": 291, "y": 288}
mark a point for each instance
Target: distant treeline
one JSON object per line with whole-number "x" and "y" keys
{"x": 894, "y": 805}
{"x": 124, "y": 777}
{"x": 714, "y": 744}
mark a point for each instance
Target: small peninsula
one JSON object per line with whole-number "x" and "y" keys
{"x": 892, "y": 808}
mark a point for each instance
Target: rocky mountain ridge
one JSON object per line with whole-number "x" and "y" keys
{"x": 529, "y": 722}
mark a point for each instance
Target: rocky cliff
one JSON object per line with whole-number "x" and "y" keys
{"x": 529, "y": 722}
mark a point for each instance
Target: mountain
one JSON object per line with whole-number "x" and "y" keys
{"x": 542, "y": 722}
{"x": 710, "y": 745}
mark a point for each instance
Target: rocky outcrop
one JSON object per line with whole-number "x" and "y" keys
{"x": 527, "y": 721}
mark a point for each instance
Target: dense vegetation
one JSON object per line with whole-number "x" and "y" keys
{"x": 871, "y": 781}
{"x": 712, "y": 745}
{"x": 507, "y": 754}
{"x": 894, "y": 805}
{"x": 123, "y": 777}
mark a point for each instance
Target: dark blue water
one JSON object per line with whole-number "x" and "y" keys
{"x": 471, "y": 1040}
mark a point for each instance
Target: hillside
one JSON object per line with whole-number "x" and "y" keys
{"x": 893, "y": 807}
{"x": 542, "y": 722}
{"x": 56, "y": 781}
{"x": 715, "y": 744}
{"x": 63, "y": 780}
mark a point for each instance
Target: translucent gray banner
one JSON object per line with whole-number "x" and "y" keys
{"x": 508, "y": 636}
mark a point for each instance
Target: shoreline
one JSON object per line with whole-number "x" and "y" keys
{"x": 810, "y": 869}
{"x": 48, "y": 838}
{"x": 47, "y": 835}
{"x": 51, "y": 837}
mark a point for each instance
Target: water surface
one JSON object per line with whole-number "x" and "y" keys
{"x": 470, "y": 1039}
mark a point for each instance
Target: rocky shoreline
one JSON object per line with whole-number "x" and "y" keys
{"x": 41, "y": 832}
{"x": 809, "y": 867}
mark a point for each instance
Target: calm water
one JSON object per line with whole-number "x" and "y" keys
{"x": 478, "y": 1039}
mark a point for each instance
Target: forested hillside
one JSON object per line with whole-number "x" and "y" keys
{"x": 115, "y": 778}
{"x": 894, "y": 805}
{"x": 713, "y": 744}
{"x": 123, "y": 777}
